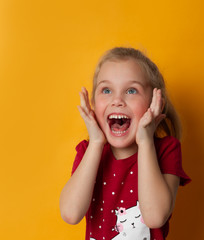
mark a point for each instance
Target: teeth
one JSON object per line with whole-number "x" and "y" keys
{"x": 117, "y": 116}
{"x": 118, "y": 132}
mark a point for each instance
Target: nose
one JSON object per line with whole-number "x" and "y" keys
{"x": 118, "y": 101}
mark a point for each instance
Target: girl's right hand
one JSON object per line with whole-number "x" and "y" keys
{"x": 95, "y": 133}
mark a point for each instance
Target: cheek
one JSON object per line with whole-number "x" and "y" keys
{"x": 139, "y": 112}
{"x": 140, "y": 109}
{"x": 99, "y": 110}
{"x": 99, "y": 107}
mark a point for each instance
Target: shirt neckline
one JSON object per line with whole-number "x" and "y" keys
{"x": 132, "y": 157}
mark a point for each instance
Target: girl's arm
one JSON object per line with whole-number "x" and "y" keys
{"x": 156, "y": 191}
{"x": 77, "y": 193}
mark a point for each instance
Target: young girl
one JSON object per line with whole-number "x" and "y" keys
{"x": 125, "y": 178}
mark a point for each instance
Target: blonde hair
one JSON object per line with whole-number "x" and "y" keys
{"x": 171, "y": 125}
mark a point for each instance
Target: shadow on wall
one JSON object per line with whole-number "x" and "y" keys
{"x": 187, "y": 221}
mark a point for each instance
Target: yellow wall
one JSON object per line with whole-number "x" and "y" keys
{"x": 48, "y": 51}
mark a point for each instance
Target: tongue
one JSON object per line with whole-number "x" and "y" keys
{"x": 117, "y": 127}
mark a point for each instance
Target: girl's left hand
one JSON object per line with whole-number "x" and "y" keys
{"x": 151, "y": 119}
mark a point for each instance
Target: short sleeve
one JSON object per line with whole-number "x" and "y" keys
{"x": 81, "y": 149}
{"x": 170, "y": 158}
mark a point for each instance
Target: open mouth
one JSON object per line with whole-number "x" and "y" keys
{"x": 119, "y": 123}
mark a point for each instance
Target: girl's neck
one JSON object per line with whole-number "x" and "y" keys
{"x": 122, "y": 153}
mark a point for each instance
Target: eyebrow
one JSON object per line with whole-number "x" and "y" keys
{"x": 103, "y": 81}
{"x": 137, "y": 82}
{"x": 131, "y": 81}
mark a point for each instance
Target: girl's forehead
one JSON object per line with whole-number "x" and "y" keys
{"x": 121, "y": 70}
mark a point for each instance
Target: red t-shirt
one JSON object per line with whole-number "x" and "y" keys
{"x": 114, "y": 211}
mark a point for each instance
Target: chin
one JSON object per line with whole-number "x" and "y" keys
{"x": 120, "y": 142}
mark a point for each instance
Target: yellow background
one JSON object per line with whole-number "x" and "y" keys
{"x": 48, "y": 51}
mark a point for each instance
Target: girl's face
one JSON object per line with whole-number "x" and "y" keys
{"x": 122, "y": 96}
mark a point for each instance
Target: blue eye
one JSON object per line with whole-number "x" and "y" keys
{"x": 131, "y": 91}
{"x": 106, "y": 91}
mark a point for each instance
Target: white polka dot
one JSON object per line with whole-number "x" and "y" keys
{"x": 101, "y": 209}
{"x": 103, "y": 220}
{"x": 112, "y": 211}
{"x": 103, "y": 201}
{"x": 114, "y": 174}
{"x": 104, "y": 238}
{"x": 104, "y": 183}
{"x": 99, "y": 226}
{"x": 113, "y": 193}
{"x": 121, "y": 201}
{"x": 94, "y": 199}
{"x": 131, "y": 191}
{"x": 131, "y": 172}
{"x": 122, "y": 183}
{"x": 91, "y": 217}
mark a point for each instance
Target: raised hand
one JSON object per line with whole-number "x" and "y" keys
{"x": 151, "y": 119}
{"x": 88, "y": 115}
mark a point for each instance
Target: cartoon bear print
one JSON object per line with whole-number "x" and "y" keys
{"x": 130, "y": 224}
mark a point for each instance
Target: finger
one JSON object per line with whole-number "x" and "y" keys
{"x": 83, "y": 101}
{"x": 147, "y": 118}
{"x": 86, "y": 117}
{"x": 153, "y": 103}
{"x": 87, "y": 98}
{"x": 82, "y": 112}
{"x": 158, "y": 106}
